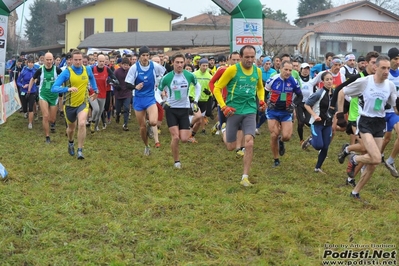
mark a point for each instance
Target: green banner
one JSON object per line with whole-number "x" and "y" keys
{"x": 246, "y": 26}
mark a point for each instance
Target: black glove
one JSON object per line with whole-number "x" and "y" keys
{"x": 113, "y": 81}
{"x": 330, "y": 113}
{"x": 207, "y": 92}
{"x": 130, "y": 86}
{"x": 387, "y": 106}
{"x": 165, "y": 105}
{"x": 341, "y": 122}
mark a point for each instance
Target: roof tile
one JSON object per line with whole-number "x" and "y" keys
{"x": 358, "y": 27}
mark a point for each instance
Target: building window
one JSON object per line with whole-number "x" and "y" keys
{"x": 132, "y": 25}
{"x": 109, "y": 24}
{"x": 336, "y": 47}
{"x": 89, "y": 27}
{"x": 377, "y": 49}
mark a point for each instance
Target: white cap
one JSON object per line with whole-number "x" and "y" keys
{"x": 305, "y": 65}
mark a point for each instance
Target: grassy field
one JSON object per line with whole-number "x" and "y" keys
{"x": 118, "y": 207}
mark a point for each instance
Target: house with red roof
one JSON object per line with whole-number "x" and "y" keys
{"x": 357, "y": 27}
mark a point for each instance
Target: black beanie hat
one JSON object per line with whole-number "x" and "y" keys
{"x": 393, "y": 52}
{"x": 361, "y": 59}
{"x": 144, "y": 50}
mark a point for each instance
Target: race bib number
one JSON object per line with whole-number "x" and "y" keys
{"x": 377, "y": 104}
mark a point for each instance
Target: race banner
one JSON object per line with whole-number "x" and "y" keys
{"x": 9, "y": 101}
{"x": 247, "y": 32}
{"x": 3, "y": 42}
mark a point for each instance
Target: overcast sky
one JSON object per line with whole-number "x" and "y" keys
{"x": 190, "y": 8}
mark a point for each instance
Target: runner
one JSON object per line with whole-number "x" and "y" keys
{"x": 177, "y": 104}
{"x": 46, "y": 75}
{"x": 377, "y": 91}
{"x": 142, "y": 78}
{"x": 244, "y": 83}
{"x": 77, "y": 78}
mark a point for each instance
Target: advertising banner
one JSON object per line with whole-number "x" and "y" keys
{"x": 9, "y": 101}
{"x": 247, "y": 32}
{"x": 3, "y": 42}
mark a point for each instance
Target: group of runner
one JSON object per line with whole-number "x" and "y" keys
{"x": 248, "y": 92}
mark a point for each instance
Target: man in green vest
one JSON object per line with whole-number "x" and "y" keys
{"x": 48, "y": 101}
{"x": 244, "y": 83}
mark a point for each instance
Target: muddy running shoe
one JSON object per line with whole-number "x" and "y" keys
{"x": 215, "y": 128}
{"x": 350, "y": 170}
{"x": 351, "y": 183}
{"x": 392, "y": 169}
{"x": 306, "y": 143}
{"x": 245, "y": 182}
{"x": 150, "y": 133}
{"x": 342, "y": 154}
{"x": 71, "y": 148}
{"x": 281, "y": 146}
{"x": 80, "y": 154}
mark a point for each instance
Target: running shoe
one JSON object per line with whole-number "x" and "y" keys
{"x": 351, "y": 183}
{"x": 30, "y": 126}
{"x": 26, "y": 115}
{"x": 62, "y": 114}
{"x": 52, "y": 127}
{"x": 350, "y": 170}
{"x": 245, "y": 182}
{"x": 71, "y": 149}
{"x": 80, "y": 155}
{"x": 125, "y": 128}
{"x": 147, "y": 151}
{"x": 223, "y": 128}
{"x": 281, "y": 146}
{"x": 306, "y": 143}
{"x": 342, "y": 154}
{"x": 215, "y": 128}
{"x": 257, "y": 132}
{"x": 92, "y": 127}
{"x": 157, "y": 145}
{"x": 48, "y": 140}
{"x": 150, "y": 133}
{"x": 104, "y": 125}
{"x": 392, "y": 169}
{"x": 355, "y": 196}
{"x": 318, "y": 170}
{"x": 276, "y": 163}
{"x": 240, "y": 153}
{"x": 177, "y": 165}
{"x": 192, "y": 139}
{"x": 36, "y": 117}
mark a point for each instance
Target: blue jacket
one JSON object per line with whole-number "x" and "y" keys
{"x": 317, "y": 69}
{"x": 24, "y": 78}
